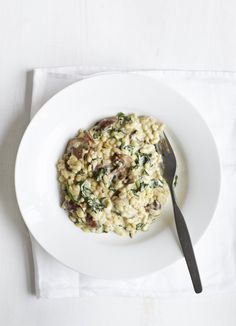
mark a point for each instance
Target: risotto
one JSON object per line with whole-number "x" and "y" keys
{"x": 111, "y": 175}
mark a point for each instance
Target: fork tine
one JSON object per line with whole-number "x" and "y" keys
{"x": 162, "y": 146}
{"x": 168, "y": 143}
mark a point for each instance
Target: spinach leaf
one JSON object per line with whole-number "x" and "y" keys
{"x": 139, "y": 226}
{"x": 142, "y": 158}
{"x": 94, "y": 203}
{"x": 130, "y": 148}
{"x": 122, "y": 118}
{"x": 97, "y": 133}
{"x": 140, "y": 186}
{"x": 85, "y": 191}
{"x": 154, "y": 183}
{"x": 100, "y": 173}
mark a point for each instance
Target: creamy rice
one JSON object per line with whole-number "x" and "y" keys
{"x": 111, "y": 176}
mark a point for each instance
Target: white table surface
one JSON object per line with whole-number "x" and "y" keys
{"x": 184, "y": 34}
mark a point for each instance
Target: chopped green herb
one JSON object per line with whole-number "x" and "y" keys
{"x": 130, "y": 148}
{"x": 85, "y": 191}
{"x": 176, "y": 180}
{"x": 100, "y": 173}
{"x": 123, "y": 118}
{"x": 154, "y": 183}
{"x": 139, "y": 226}
{"x": 114, "y": 131}
{"x": 97, "y": 133}
{"x": 95, "y": 204}
{"x": 142, "y": 158}
{"x": 140, "y": 186}
{"x": 134, "y": 191}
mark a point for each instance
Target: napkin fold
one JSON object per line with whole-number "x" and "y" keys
{"x": 214, "y": 95}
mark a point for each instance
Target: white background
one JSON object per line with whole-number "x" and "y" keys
{"x": 165, "y": 34}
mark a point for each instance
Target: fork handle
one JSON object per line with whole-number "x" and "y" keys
{"x": 186, "y": 245}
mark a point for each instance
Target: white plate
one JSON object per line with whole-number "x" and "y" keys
{"x": 80, "y": 105}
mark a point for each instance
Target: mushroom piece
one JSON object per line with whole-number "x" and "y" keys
{"x": 122, "y": 159}
{"x": 153, "y": 208}
{"x": 133, "y": 134}
{"x": 84, "y": 145}
{"x": 77, "y": 152}
{"x": 87, "y": 139}
{"x": 90, "y": 221}
{"x": 105, "y": 123}
{"x": 71, "y": 206}
{"x": 122, "y": 165}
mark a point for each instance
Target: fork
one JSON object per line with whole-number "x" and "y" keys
{"x": 169, "y": 170}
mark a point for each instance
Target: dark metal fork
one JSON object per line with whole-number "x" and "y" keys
{"x": 169, "y": 170}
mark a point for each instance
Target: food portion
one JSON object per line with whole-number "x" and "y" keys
{"x": 111, "y": 175}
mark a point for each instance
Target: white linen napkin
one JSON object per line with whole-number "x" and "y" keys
{"x": 214, "y": 95}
